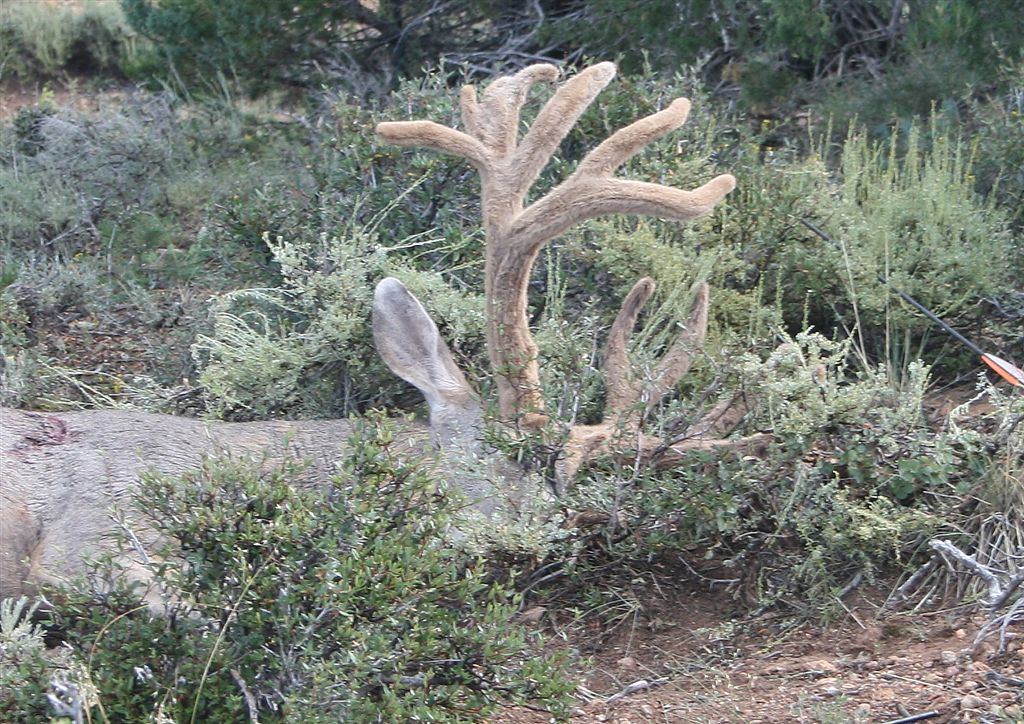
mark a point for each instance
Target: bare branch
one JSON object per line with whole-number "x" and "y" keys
{"x": 999, "y": 590}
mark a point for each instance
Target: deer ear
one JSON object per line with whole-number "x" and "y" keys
{"x": 409, "y": 343}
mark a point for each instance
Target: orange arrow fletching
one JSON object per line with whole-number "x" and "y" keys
{"x": 1011, "y": 373}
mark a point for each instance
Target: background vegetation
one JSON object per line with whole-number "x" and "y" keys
{"x": 207, "y": 242}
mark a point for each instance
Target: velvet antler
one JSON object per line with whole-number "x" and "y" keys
{"x": 515, "y": 235}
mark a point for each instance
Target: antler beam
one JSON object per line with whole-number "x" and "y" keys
{"x": 515, "y": 235}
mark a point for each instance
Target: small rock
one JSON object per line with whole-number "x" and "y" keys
{"x": 627, "y": 662}
{"x": 872, "y": 666}
{"x": 971, "y": 702}
{"x": 831, "y": 691}
{"x": 970, "y": 685}
{"x": 979, "y": 667}
{"x": 948, "y": 658}
{"x": 647, "y": 709}
{"x": 823, "y": 666}
{"x": 960, "y": 633}
{"x": 862, "y": 713}
{"x": 885, "y": 693}
{"x": 533, "y": 615}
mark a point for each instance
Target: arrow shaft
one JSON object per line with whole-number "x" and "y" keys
{"x": 906, "y": 297}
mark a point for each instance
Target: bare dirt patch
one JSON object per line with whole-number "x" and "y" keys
{"x": 83, "y": 97}
{"x": 702, "y": 661}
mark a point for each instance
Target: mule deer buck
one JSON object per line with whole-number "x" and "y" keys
{"x": 63, "y": 472}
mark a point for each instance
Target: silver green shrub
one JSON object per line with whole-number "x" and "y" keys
{"x": 306, "y": 346}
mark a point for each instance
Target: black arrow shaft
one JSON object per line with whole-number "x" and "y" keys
{"x": 906, "y": 297}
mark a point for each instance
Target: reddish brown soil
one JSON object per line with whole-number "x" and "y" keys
{"x": 14, "y": 96}
{"x": 708, "y": 664}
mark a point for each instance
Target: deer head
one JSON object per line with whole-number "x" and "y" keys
{"x": 516, "y": 233}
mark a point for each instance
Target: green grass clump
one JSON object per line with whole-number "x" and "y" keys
{"x": 40, "y": 40}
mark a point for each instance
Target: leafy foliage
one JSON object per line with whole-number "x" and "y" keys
{"x": 286, "y": 608}
{"x": 363, "y": 47}
{"x": 41, "y": 40}
{"x": 853, "y": 484}
{"x": 771, "y": 50}
{"x": 24, "y": 669}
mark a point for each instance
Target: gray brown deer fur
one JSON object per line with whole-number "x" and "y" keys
{"x": 62, "y": 473}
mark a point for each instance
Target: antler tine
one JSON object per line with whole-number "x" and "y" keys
{"x": 581, "y": 198}
{"x": 496, "y": 118}
{"x": 627, "y": 142}
{"x": 721, "y": 419}
{"x": 623, "y": 392}
{"x": 628, "y": 395}
{"x": 554, "y": 121}
{"x": 677, "y": 361}
{"x": 433, "y": 135}
{"x": 470, "y": 110}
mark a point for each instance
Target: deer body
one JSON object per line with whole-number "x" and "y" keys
{"x": 62, "y": 473}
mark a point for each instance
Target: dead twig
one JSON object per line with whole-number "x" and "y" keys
{"x": 902, "y": 594}
{"x": 1002, "y": 623}
{"x": 999, "y": 590}
{"x": 641, "y": 685}
{"x": 250, "y": 700}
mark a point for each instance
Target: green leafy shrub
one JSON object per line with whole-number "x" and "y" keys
{"x": 364, "y": 48}
{"x": 999, "y": 134}
{"x": 853, "y": 484}
{"x": 285, "y": 608}
{"x": 43, "y": 40}
{"x": 904, "y": 210}
{"x": 916, "y": 222}
{"x": 908, "y": 93}
{"x": 107, "y": 219}
{"x": 65, "y": 172}
{"x": 24, "y": 669}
